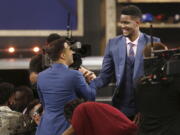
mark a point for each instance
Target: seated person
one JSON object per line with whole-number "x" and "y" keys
{"x": 11, "y": 122}
{"x": 92, "y": 118}
{"x": 158, "y": 102}
{"x": 22, "y": 97}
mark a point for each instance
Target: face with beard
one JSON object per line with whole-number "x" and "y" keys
{"x": 129, "y": 25}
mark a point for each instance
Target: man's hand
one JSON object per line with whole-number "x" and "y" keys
{"x": 69, "y": 131}
{"x": 33, "y": 77}
{"x": 89, "y": 75}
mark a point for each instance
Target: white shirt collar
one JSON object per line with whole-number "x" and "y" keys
{"x": 135, "y": 42}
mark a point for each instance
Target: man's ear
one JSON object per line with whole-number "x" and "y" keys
{"x": 138, "y": 21}
{"x": 11, "y": 99}
{"x": 62, "y": 55}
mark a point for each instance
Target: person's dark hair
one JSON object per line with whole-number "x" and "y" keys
{"x": 35, "y": 64}
{"x": 6, "y": 91}
{"x": 131, "y": 10}
{"x": 156, "y": 46}
{"x": 69, "y": 108}
{"x": 28, "y": 92}
{"x": 52, "y": 37}
{"x": 55, "y": 48}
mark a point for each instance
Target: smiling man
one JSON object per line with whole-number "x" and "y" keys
{"x": 124, "y": 58}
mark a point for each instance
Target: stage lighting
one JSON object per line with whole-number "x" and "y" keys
{"x": 36, "y": 49}
{"x": 11, "y": 49}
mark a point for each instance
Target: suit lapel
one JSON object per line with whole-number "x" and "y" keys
{"x": 122, "y": 50}
{"x": 139, "y": 54}
{"x": 121, "y": 57}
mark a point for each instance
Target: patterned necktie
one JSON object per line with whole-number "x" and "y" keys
{"x": 131, "y": 52}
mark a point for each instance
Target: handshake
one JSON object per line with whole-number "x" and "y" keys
{"x": 89, "y": 75}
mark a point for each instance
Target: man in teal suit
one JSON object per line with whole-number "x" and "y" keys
{"x": 58, "y": 85}
{"x": 124, "y": 58}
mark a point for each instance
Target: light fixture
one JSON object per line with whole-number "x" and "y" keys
{"x": 36, "y": 49}
{"x": 11, "y": 49}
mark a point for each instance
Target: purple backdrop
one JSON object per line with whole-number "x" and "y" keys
{"x": 37, "y": 14}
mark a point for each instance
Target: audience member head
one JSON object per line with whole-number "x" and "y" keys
{"x": 22, "y": 97}
{"x": 6, "y": 92}
{"x": 156, "y": 46}
{"x": 130, "y": 19}
{"x": 70, "y": 107}
{"x": 52, "y": 37}
{"x": 35, "y": 110}
{"x": 37, "y": 63}
{"x": 59, "y": 51}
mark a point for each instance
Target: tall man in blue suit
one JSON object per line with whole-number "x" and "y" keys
{"x": 124, "y": 58}
{"x": 57, "y": 86}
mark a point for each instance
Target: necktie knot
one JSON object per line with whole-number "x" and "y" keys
{"x": 131, "y": 51}
{"x": 131, "y": 44}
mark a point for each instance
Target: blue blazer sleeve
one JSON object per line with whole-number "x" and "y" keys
{"x": 40, "y": 95}
{"x": 107, "y": 67}
{"x": 83, "y": 89}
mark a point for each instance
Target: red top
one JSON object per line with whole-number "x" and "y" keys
{"x": 92, "y": 118}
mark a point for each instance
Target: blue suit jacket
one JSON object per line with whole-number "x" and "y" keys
{"x": 57, "y": 86}
{"x": 115, "y": 58}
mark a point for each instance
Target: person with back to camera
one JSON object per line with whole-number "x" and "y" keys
{"x": 124, "y": 58}
{"x": 58, "y": 85}
{"x": 93, "y": 118}
{"x": 37, "y": 63}
{"x": 158, "y": 100}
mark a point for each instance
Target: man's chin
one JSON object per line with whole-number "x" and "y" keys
{"x": 125, "y": 34}
{"x": 71, "y": 63}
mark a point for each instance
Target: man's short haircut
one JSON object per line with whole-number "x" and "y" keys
{"x": 55, "y": 48}
{"x": 28, "y": 92}
{"x": 70, "y": 107}
{"x": 131, "y": 10}
{"x": 6, "y": 91}
{"x": 52, "y": 37}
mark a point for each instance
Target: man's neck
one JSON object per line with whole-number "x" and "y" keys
{"x": 61, "y": 62}
{"x": 134, "y": 36}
